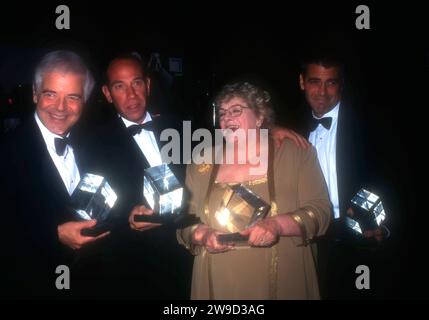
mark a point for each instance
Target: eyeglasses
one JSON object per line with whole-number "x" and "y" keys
{"x": 235, "y": 111}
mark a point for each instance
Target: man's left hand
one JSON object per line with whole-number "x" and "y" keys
{"x": 376, "y": 233}
{"x": 279, "y": 134}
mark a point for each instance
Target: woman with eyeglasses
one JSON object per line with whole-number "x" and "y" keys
{"x": 275, "y": 257}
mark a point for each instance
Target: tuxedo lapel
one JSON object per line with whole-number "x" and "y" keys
{"x": 348, "y": 157}
{"x": 341, "y": 162}
{"x": 133, "y": 150}
{"x": 160, "y": 124}
{"x": 44, "y": 168}
{"x": 125, "y": 164}
{"x": 81, "y": 158}
{"x": 157, "y": 129}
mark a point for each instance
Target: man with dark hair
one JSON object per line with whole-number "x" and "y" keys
{"x": 338, "y": 136}
{"x": 41, "y": 166}
{"x": 322, "y": 84}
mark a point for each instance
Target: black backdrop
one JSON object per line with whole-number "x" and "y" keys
{"x": 386, "y": 69}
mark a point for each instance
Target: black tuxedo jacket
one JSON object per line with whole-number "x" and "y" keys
{"x": 356, "y": 160}
{"x": 353, "y": 164}
{"x": 34, "y": 202}
{"x": 149, "y": 264}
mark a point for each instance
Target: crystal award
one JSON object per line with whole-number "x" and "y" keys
{"x": 240, "y": 208}
{"x": 93, "y": 198}
{"x": 368, "y": 212}
{"x": 164, "y": 195}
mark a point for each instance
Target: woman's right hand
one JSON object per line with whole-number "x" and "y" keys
{"x": 207, "y": 237}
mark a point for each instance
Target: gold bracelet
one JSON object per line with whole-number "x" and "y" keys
{"x": 314, "y": 219}
{"x": 301, "y": 226}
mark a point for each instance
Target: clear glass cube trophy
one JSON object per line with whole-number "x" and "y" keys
{"x": 240, "y": 208}
{"x": 164, "y": 195}
{"x": 368, "y": 212}
{"x": 93, "y": 198}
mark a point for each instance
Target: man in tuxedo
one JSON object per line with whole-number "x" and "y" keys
{"x": 337, "y": 134}
{"x": 149, "y": 264}
{"x": 41, "y": 166}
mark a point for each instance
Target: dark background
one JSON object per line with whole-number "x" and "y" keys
{"x": 264, "y": 41}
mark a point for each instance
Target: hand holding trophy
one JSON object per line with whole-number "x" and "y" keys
{"x": 93, "y": 198}
{"x": 366, "y": 215}
{"x": 164, "y": 195}
{"x": 240, "y": 209}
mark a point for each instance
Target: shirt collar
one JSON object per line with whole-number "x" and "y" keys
{"x": 48, "y": 136}
{"x": 333, "y": 113}
{"x": 129, "y": 123}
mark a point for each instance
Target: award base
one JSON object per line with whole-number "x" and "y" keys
{"x": 232, "y": 237}
{"x": 180, "y": 220}
{"x": 96, "y": 230}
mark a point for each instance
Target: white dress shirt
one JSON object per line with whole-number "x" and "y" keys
{"x": 325, "y": 142}
{"x": 146, "y": 142}
{"x": 65, "y": 164}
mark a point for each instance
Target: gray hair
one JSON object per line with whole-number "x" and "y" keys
{"x": 66, "y": 62}
{"x": 256, "y": 98}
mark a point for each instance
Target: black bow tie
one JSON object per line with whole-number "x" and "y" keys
{"x": 137, "y": 128}
{"x": 326, "y": 122}
{"x": 61, "y": 144}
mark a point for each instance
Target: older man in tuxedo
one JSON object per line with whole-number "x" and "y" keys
{"x": 41, "y": 166}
